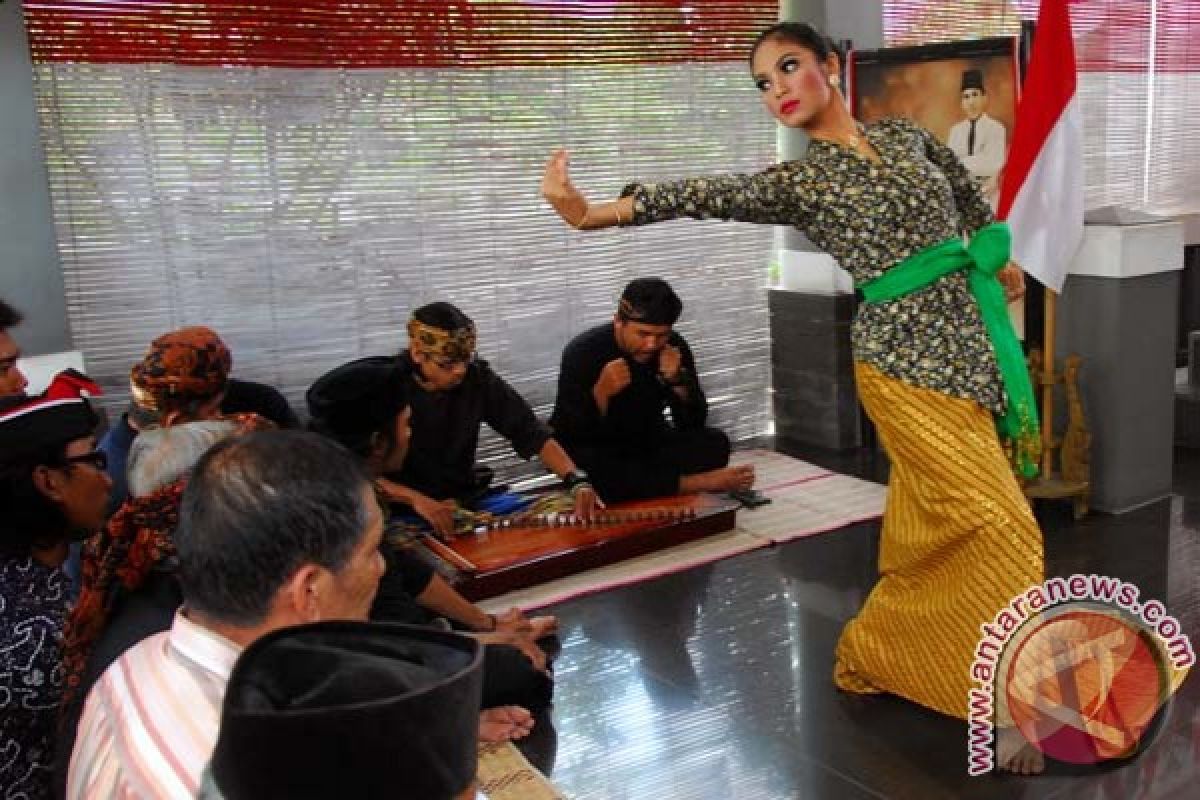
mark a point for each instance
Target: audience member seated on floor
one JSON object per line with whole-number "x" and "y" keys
{"x": 616, "y": 381}
{"x": 300, "y": 700}
{"x": 12, "y": 381}
{"x": 183, "y": 377}
{"x": 131, "y": 590}
{"x": 276, "y": 528}
{"x": 252, "y": 397}
{"x": 363, "y": 405}
{"x": 53, "y": 490}
{"x": 452, "y": 393}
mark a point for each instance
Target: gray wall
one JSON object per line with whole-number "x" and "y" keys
{"x": 30, "y": 274}
{"x": 1124, "y": 328}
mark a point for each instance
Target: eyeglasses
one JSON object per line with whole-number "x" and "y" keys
{"x": 96, "y": 458}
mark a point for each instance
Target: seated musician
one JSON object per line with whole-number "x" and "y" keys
{"x": 364, "y": 407}
{"x": 616, "y": 381}
{"x": 452, "y": 392}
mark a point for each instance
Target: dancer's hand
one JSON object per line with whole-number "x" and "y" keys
{"x": 558, "y": 190}
{"x": 1013, "y": 280}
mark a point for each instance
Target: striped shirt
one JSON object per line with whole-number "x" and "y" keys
{"x": 150, "y": 723}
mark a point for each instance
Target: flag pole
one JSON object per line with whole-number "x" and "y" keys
{"x": 1049, "y": 378}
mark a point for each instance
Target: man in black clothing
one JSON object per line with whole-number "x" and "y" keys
{"x": 616, "y": 382}
{"x": 452, "y": 393}
{"x": 364, "y": 406}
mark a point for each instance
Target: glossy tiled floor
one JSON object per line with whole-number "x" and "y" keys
{"x": 715, "y": 683}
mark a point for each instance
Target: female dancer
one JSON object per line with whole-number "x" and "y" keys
{"x": 932, "y": 362}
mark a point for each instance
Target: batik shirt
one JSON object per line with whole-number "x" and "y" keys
{"x": 33, "y": 608}
{"x": 869, "y": 216}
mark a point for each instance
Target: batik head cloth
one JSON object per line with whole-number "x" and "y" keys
{"x": 442, "y": 345}
{"x": 181, "y": 367}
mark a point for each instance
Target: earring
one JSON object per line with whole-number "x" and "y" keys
{"x": 835, "y": 81}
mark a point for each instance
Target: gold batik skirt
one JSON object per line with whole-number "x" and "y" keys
{"x": 959, "y": 542}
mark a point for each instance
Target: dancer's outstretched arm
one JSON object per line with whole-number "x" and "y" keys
{"x": 572, "y": 206}
{"x": 783, "y": 194}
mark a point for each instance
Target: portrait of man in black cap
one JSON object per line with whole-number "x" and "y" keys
{"x": 979, "y": 140}
{"x": 615, "y": 384}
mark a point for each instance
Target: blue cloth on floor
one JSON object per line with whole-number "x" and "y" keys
{"x": 495, "y": 502}
{"x": 502, "y": 502}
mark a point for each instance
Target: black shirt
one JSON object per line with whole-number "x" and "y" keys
{"x": 259, "y": 398}
{"x": 634, "y": 414}
{"x": 445, "y": 429}
{"x": 405, "y": 578}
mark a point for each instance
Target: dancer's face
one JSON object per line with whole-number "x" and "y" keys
{"x": 794, "y": 83}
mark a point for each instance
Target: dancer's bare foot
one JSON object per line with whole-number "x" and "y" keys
{"x": 1016, "y": 755}
{"x": 718, "y": 480}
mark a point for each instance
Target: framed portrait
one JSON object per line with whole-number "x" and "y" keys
{"x": 965, "y": 93}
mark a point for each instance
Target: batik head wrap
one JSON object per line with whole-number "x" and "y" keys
{"x": 181, "y": 367}
{"x": 442, "y": 345}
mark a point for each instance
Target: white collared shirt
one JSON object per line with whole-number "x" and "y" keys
{"x": 991, "y": 146}
{"x": 150, "y": 723}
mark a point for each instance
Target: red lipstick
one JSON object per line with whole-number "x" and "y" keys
{"x": 788, "y": 106}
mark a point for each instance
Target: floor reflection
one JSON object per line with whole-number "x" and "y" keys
{"x": 715, "y": 683}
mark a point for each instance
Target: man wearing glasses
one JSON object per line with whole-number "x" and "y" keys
{"x": 452, "y": 393}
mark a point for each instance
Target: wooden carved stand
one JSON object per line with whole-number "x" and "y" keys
{"x": 1072, "y": 478}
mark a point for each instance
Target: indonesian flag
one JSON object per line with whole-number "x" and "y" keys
{"x": 1041, "y": 195}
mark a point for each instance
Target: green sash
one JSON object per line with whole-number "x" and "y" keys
{"x": 987, "y": 253}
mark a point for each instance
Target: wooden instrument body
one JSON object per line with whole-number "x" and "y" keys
{"x": 507, "y": 558}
